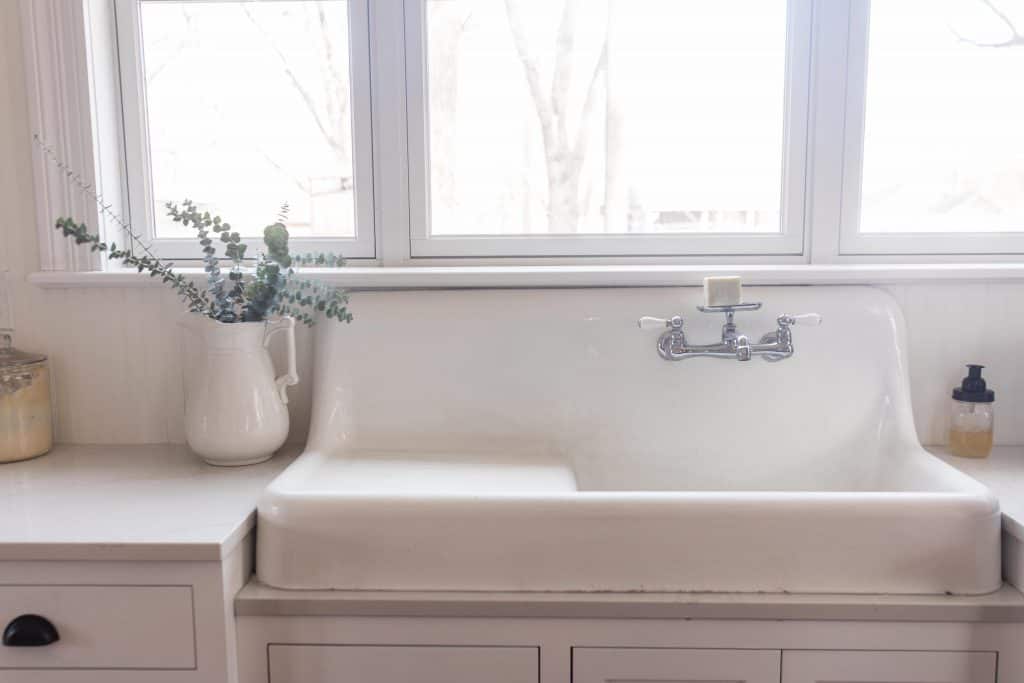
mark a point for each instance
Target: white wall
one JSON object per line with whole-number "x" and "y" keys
{"x": 116, "y": 352}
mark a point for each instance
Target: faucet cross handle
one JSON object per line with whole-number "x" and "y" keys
{"x": 786, "y": 320}
{"x": 650, "y": 323}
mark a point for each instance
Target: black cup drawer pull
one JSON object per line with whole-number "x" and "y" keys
{"x": 30, "y": 630}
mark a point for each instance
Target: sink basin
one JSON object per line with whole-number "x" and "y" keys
{"x": 510, "y": 441}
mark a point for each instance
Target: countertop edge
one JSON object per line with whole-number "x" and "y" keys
{"x": 128, "y": 550}
{"x": 1004, "y": 606}
{"x": 113, "y": 552}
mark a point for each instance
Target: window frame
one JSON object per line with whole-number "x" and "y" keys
{"x": 131, "y": 63}
{"x": 853, "y": 242}
{"x": 72, "y": 67}
{"x": 789, "y": 241}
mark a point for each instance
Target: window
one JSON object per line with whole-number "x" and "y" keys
{"x": 444, "y": 132}
{"x": 943, "y": 145}
{"x": 606, "y": 128}
{"x": 244, "y": 107}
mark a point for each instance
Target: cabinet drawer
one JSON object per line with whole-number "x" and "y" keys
{"x": 402, "y": 664}
{"x": 865, "y": 666}
{"x": 104, "y": 627}
{"x": 620, "y": 665}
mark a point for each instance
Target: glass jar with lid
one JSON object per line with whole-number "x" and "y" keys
{"x": 970, "y": 429}
{"x": 26, "y": 426}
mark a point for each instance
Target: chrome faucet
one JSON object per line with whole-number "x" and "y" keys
{"x": 773, "y": 346}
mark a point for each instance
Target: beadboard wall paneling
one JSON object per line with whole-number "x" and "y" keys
{"x": 117, "y": 353}
{"x": 951, "y": 325}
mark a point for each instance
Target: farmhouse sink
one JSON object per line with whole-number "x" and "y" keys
{"x": 506, "y": 440}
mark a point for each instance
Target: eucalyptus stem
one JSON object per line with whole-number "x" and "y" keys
{"x": 198, "y": 301}
{"x": 271, "y": 289}
{"x": 89, "y": 190}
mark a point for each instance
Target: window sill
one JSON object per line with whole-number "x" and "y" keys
{"x": 362, "y": 277}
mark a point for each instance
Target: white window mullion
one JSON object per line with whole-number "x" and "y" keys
{"x": 106, "y": 118}
{"x": 133, "y": 105}
{"x": 826, "y": 169}
{"x": 795, "y": 168}
{"x": 855, "y": 102}
{"x": 366, "y": 244}
{"x": 391, "y": 126}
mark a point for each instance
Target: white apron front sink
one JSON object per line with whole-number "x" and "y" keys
{"x": 510, "y": 440}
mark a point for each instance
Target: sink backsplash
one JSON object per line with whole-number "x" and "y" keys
{"x": 120, "y": 382}
{"x": 568, "y": 372}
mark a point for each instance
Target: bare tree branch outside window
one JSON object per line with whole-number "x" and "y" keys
{"x": 597, "y": 96}
{"x": 565, "y": 146}
{"x": 942, "y": 139}
{"x": 330, "y": 106}
{"x": 1015, "y": 39}
{"x": 249, "y": 107}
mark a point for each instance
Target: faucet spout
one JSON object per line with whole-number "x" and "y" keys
{"x": 772, "y": 347}
{"x": 736, "y": 349}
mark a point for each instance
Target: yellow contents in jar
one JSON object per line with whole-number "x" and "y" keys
{"x": 970, "y": 444}
{"x": 26, "y": 429}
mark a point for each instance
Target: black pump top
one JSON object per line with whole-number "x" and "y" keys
{"x": 972, "y": 389}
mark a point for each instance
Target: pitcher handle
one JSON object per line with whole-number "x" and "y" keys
{"x": 290, "y": 378}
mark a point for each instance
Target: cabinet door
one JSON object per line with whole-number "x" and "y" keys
{"x": 888, "y": 667}
{"x": 402, "y": 664}
{"x": 639, "y": 665}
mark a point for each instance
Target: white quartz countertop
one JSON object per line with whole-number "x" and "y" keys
{"x": 1003, "y": 473}
{"x": 143, "y": 503}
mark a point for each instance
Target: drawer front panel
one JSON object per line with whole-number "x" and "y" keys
{"x": 671, "y": 665}
{"x": 104, "y": 627}
{"x": 402, "y": 664}
{"x": 865, "y": 666}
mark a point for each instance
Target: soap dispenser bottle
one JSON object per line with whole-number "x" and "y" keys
{"x": 970, "y": 431}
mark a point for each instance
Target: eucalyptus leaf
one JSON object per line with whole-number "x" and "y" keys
{"x": 270, "y": 288}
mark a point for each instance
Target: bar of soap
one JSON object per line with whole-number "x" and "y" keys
{"x": 725, "y": 290}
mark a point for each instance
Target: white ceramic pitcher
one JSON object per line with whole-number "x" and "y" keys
{"x": 236, "y": 409}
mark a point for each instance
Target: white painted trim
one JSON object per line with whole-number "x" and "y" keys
{"x": 59, "y": 99}
{"x": 484, "y": 277}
